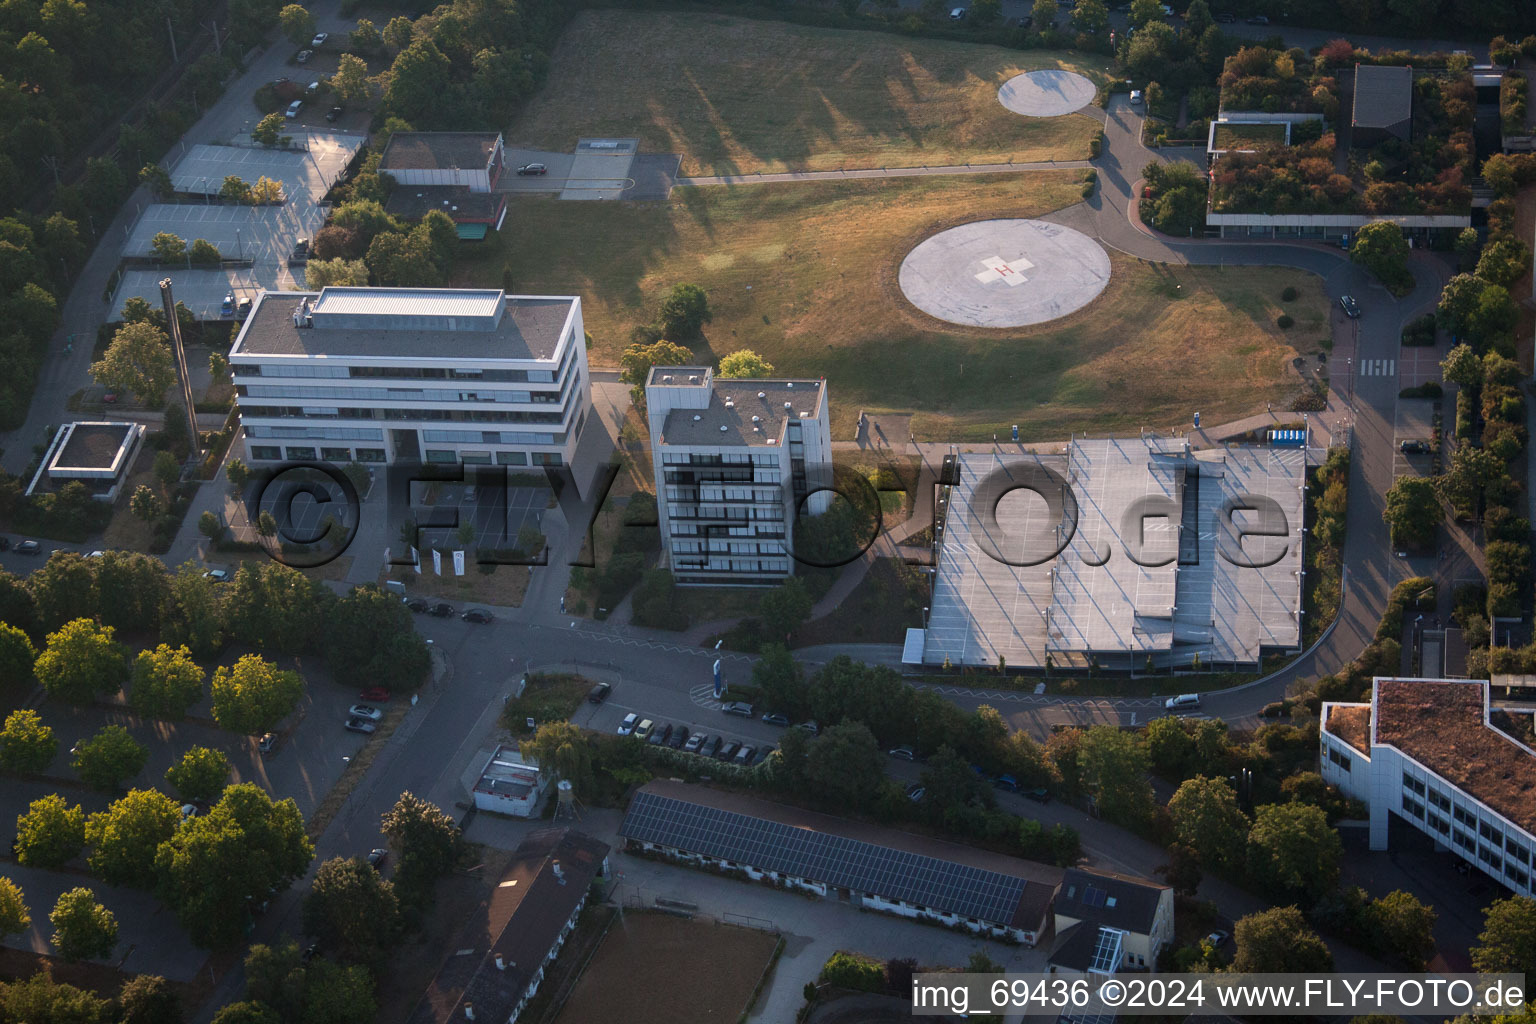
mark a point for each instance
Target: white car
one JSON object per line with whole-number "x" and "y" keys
{"x": 319, "y": 40}
{"x": 627, "y": 727}
{"x": 293, "y": 109}
{"x": 367, "y": 711}
{"x": 1183, "y": 702}
{"x": 217, "y": 575}
{"x": 957, "y": 14}
{"x": 1136, "y": 97}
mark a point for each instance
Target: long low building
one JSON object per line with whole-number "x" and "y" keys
{"x": 1428, "y": 751}
{"x": 873, "y": 867}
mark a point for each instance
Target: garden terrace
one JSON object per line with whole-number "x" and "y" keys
{"x": 1244, "y": 135}
{"x": 1277, "y": 82}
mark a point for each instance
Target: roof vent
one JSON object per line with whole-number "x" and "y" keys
{"x": 762, "y": 394}
{"x": 666, "y": 378}
{"x": 501, "y": 964}
{"x": 730, "y": 403}
{"x": 757, "y": 419}
{"x": 724, "y": 428}
{"x": 1109, "y": 901}
{"x": 693, "y": 378}
{"x": 773, "y": 440}
{"x": 469, "y": 1011}
{"x": 788, "y": 405}
{"x": 790, "y": 384}
{"x": 697, "y": 417}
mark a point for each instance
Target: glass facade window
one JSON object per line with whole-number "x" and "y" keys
{"x": 298, "y": 454}
{"x": 511, "y": 459}
{"x": 441, "y": 455}
{"x": 372, "y": 455}
{"x": 476, "y": 458}
{"x": 546, "y": 459}
{"x": 266, "y": 451}
{"x": 336, "y": 454}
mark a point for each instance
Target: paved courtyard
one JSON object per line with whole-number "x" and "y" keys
{"x": 1004, "y": 273}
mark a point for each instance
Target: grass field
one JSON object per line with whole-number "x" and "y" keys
{"x": 805, "y": 274}
{"x": 1229, "y": 136}
{"x": 654, "y": 967}
{"x": 733, "y": 95}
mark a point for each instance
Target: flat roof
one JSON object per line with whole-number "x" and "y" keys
{"x": 1443, "y": 724}
{"x": 743, "y": 412}
{"x": 457, "y": 201}
{"x": 506, "y": 774}
{"x": 92, "y": 446}
{"x": 438, "y": 150}
{"x": 1383, "y": 95}
{"x": 867, "y": 858}
{"x": 530, "y": 327}
{"x": 521, "y": 922}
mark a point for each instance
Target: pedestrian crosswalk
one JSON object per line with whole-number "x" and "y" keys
{"x": 1378, "y": 367}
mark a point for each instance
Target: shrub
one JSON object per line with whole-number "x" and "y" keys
{"x": 1289, "y": 295}
{"x": 1284, "y": 321}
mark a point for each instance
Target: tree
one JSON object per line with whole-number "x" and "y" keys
{"x": 745, "y": 363}
{"x": 1115, "y": 770}
{"x": 82, "y": 928}
{"x": 398, "y": 33}
{"x": 1197, "y": 17}
{"x": 350, "y": 82}
{"x": 951, "y": 790}
{"x": 204, "y": 253}
{"x": 247, "y": 1012}
{"x": 637, "y": 360}
{"x": 984, "y": 13}
{"x": 1462, "y": 367}
{"x": 366, "y": 37}
{"x": 267, "y": 191}
{"x": 50, "y": 834}
{"x": 1413, "y": 511}
{"x": 371, "y": 641}
{"x": 138, "y": 362}
{"x": 109, "y": 757}
{"x": 80, "y": 661}
{"x": 781, "y": 682}
{"x": 193, "y": 615}
{"x": 1404, "y": 927}
{"x": 275, "y": 607}
{"x": 419, "y": 78}
{"x": 220, "y": 865}
{"x": 268, "y": 130}
{"x": 561, "y": 749}
{"x": 1182, "y": 872}
{"x": 1043, "y": 15}
{"x": 1207, "y": 819}
{"x": 1279, "y": 940}
{"x": 845, "y": 765}
{"x": 1170, "y": 748}
{"x": 1458, "y": 303}
{"x": 150, "y": 999}
{"x": 1471, "y": 470}
{"x": 785, "y": 607}
{"x": 684, "y": 312}
{"x": 334, "y": 273}
{"x": 41, "y": 999}
{"x": 401, "y": 260}
{"x": 266, "y": 525}
{"x": 235, "y": 189}
{"x": 158, "y": 180}
{"x": 1090, "y": 16}
{"x": 426, "y": 840}
{"x": 1508, "y": 939}
{"x": 209, "y": 525}
{"x": 146, "y": 504}
{"x": 352, "y": 911}
{"x": 14, "y": 918}
{"x": 168, "y": 248}
{"x": 125, "y": 837}
{"x": 201, "y": 774}
{"x": 1293, "y": 850}
{"x": 1144, "y": 12}
{"x": 1381, "y": 248}
{"x": 297, "y": 24}
{"x": 1504, "y": 261}
{"x": 27, "y": 746}
{"x": 254, "y": 696}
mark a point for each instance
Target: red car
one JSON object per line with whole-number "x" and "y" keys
{"x": 375, "y": 693}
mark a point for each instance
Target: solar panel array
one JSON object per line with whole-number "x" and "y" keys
{"x": 1093, "y": 896}
{"x": 835, "y": 860}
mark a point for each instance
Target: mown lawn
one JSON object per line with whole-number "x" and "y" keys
{"x": 735, "y": 95}
{"x": 805, "y": 274}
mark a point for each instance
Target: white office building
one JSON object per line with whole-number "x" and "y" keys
{"x": 1432, "y": 752}
{"x": 736, "y": 461}
{"x": 385, "y": 375}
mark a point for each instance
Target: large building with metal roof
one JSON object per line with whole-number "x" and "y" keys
{"x": 1120, "y": 553}
{"x": 870, "y": 866}
{"x": 440, "y": 375}
{"x": 736, "y": 462}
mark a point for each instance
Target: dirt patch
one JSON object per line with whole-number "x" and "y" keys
{"x": 655, "y": 967}
{"x": 502, "y": 587}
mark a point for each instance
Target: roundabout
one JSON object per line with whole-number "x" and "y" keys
{"x": 1004, "y": 273}
{"x": 1047, "y": 93}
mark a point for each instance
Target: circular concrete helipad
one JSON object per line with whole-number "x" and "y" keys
{"x": 1004, "y": 273}
{"x": 1046, "y": 93}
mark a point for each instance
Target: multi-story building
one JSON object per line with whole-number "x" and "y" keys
{"x": 1107, "y": 922}
{"x": 467, "y": 376}
{"x": 736, "y": 462}
{"x": 1428, "y": 751}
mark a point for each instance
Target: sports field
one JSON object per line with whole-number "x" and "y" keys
{"x": 735, "y": 95}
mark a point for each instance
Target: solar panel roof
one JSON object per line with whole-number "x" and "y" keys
{"x": 836, "y": 860}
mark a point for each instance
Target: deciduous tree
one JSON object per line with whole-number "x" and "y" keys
{"x": 1294, "y": 850}
{"x": 561, "y": 750}
{"x": 1413, "y": 511}
{"x": 684, "y": 312}
{"x": 352, "y": 911}
{"x": 1508, "y": 939}
{"x": 1207, "y": 819}
{"x": 426, "y": 840}
{"x": 14, "y": 918}
{"x": 350, "y": 82}
{"x": 336, "y": 272}
{"x": 1404, "y": 927}
{"x": 1381, "y": 248}
{"x": 80, "y": 661}
{"x": 50, "y": 834}
{"x": 82, "y": 928}
{"x": 1115, "y": 771}
{"x": 371, "y": 641}
{"x": 168, "y": 248}
{"x": 27, "y": 746}
{"x": 637, "y": 360}
{"x": 781, "y": 682}
{"x": 254, "y": 695}
{"x": 109, "y": 757}
{"x": 785, "y": 607}
{"x": 138, "y": 362}
{"x": 150, "y": 999}
{"x": 846, "y": 766}
{"x": 297, "y": 24}
{"x": 1504, "y": 261}
{"x": 201, "y": 774}
{"x": 268, "y": 130}
{"x": 125, "y": 837}
{"x": 1279, "y": 939}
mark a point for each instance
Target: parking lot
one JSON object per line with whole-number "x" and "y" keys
{"x": 721, "y": 731}
{"x": 1414, "y": 423}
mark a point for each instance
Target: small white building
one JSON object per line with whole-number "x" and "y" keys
{"x": 1427, "y": 751}
{"x": 97, "y": 454}
{"x": 736, "y": 462}
{"x": 509, "y": 785}
{"x": 472, "y": 160}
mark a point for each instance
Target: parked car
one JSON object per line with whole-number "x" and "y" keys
{"x": 727, "y": 750}
{"x": 267, "y": 744}
{"x": 333, "y": 113}
{"x": 479, "y": 615}
{"x": 376, "y": 858}
{"x": 678, "y": 738}
{"x": 1007, "y": 782}
{"x": 660, "y": 735}
{"x": 217, "y": 575}
{"x": 902, "y": 753}
{"x": 957, "y": 14}
{"x": 1350, "y": 307}
{"x": 528, "y": 169}
{"x": 1039, "y": 796}
{"x": 417, "y": 605}
{"x": 27, "y": 547}
{"x": 243, "y": 310}
{"x": 1136, "y": 97}
{"x": 599, "y": 693}
{"x": 1183, "y": 702}
{"x": 109, "y": 397}
{"x": 1259, "y": 19}
{"x": 627, "y": 727}
{"x": 695, "y": 743}
{"x": 310, "y": 952}
{"x": 360, "y": 725}
{"x": 188, "y": 811}
{"x": 810, "y": 727}
{"x": 319, "y": 40}
{"x": 375, "y": 695}
{"x": 303, "y": 56}
{"x": 916, "y": 792}
{"x": 1414, "y": 447}
{"x": 739, "y": 708}
{"x": 293, "y": 109}
{"x": 711, "y": 747}
{"x": 763, "y": 752}
{"x": 643, "y": 730}
{"x": 367, "y": 711}
{"x": 1216, "y": 938}
{"x": 775, "y": 718}
{"x": 442, "y": 611}
{"x": 227, "y": 307}
{"x": 744, "y": 756}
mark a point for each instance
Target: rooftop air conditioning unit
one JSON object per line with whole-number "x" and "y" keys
{"x": 787, "y": 405}
{"x": 693, "y": 378}
{"x": 762, "y": 394}
{"x": 697, "y": 417}
{"x": 667, "y": 379}
{"x": 724, "y": 428}
{"x": 730, "y": 403}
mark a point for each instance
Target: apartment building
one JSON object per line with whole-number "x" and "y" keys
{"x": 437, "y": 375}
{"x": 736, "y": 462}
{"x": 1433, "y": 753}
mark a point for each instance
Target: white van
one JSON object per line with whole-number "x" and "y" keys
{"x": 294, "y": 108}
{"x": 1183, "y": 702}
